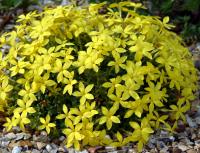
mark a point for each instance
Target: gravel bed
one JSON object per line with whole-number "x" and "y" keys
{"x": 186, "y": 139}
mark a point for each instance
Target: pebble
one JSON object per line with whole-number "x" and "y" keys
{"x": 183, "y": 147}
{"x": 48, "y": 147}
{"x": 16, "y": 149}
{"x": 191, "y": 123}
{"x": 19, "y": 136}
{"x": 71, "y": 150}
{"x": 10, "y": 136}
{"x": 62, "y": 138}
{"x": 62, "y": 149}
{"x": 35, "y": 151}
{"x": 40, "y": 145}
{"x": 5, "y": 143}
{"x": 84, "y": 151}
{"x": 191, "y": 151}
{"x": 53, "y": 151}
{"x": 177, "y": 150}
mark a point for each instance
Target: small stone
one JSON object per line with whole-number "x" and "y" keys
{"x": 177, "y": 150}
{"x": 191, "y": 123}
{"x": 25, "y": 143}
{"x": 19, "y": 136}
{"x": 160, "y": 145}
{"x": 28, "y": 151}
{"x": 40, "y": 145}
{"x": 10, "y": 136}
{"x": 191, "y": 151}
{"x": 48, "y": 147}
{"x": 164, "y": 150}
{"x": 109, "y": 148}
{"x": 62, "y": 138}
{"x": 12, "y": 144}
{"x": 54, "y": 146}
{"x": 153, "y": 151}
{"x": 71, "y": 150}
{"x": 65, "y": 2}
{"x": 9, "y": 26}
{"x": 5, "y": 143}
{"x": 197, "y": 120}
{"x": 16, "y": 149}
{"x": 44, "y": 133}
{"x": 54, "y": 151}
{"x": 15, "y": 128}
{"x": 193, "y": 136}
{"x": 27, "y": 136}
{"x": 3, "y": 150}
{"x": 35, "y": 138}
{"x": 164, "y": 133}
{"x": 62, "y": 149}
{"x": 84, "y": 151}
{"x": 35, "y": 151}
{"x": 183, "y": 147}
{"x": 45, "y": 151}
{"x": 132, "y": 151}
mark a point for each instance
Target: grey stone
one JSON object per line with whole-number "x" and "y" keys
{"x": 65, "y": 2}
{"x": 35, "y": 151}
{"x": 48, "y": 147}
{"x": 45, "y": 151}
{"x": 15, "y": 128}
{"x": 132, "y": 151}
{"x": 5, "y": 143}
{"x": 62, "y": 149}
{"x": 3, "y": 150}
{"x": 190, "y": 122}
{"x": 54, "y": 146}
{"x": 197, "y": 119}
{"x": 71, "y": 150}
{"x": 44, "y": 133}
{"x": 54, "y": 151}
{"x": 16, "y": 149}
{"x": 27, "y": 136}
{"x": 10, "y": 136}
{"x": 160, "y": 145}
{"x": 19, "y": 136}
{"x": 40, "y": 145}
{"x": 62, "y": 138}
{"x": 183, "y": 147}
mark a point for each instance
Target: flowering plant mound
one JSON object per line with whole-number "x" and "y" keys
{"x": 90, "y": 74}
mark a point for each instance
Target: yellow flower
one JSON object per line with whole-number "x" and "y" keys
{"x": 41, "y": 83}
{"x": 114, "y": 82}
{"x": 24, "y": 106}
{"x": 109, "y": 117}
{"x": 141, "y": 48}
{"x": 84, "y": 92}
{"x": 28, "y": 92}
{"x": 141, "y": 133}
{"x": 73, "y": 134}
{"x": 9, "y": 123}
{"x": 46, "y": 124}
{"x": 61, "y": 69}
{"x": 118, "y": 63}
{"x": 5, "y": 88}
{"x": 69, "y": 82}
{"x": 18, "y": 67}
{"x": 67, "y": 116}
{"x": 20, "y": 119}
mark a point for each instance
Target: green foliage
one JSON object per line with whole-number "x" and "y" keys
{"x": 11, "y": 4}
{"x": 89, "y": 74}
{"x": 185, "y": 15}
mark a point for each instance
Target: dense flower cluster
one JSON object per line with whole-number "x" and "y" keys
{"x": 93, "y": 74}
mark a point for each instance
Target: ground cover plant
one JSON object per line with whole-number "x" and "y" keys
{"x": 89, "y": 73}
